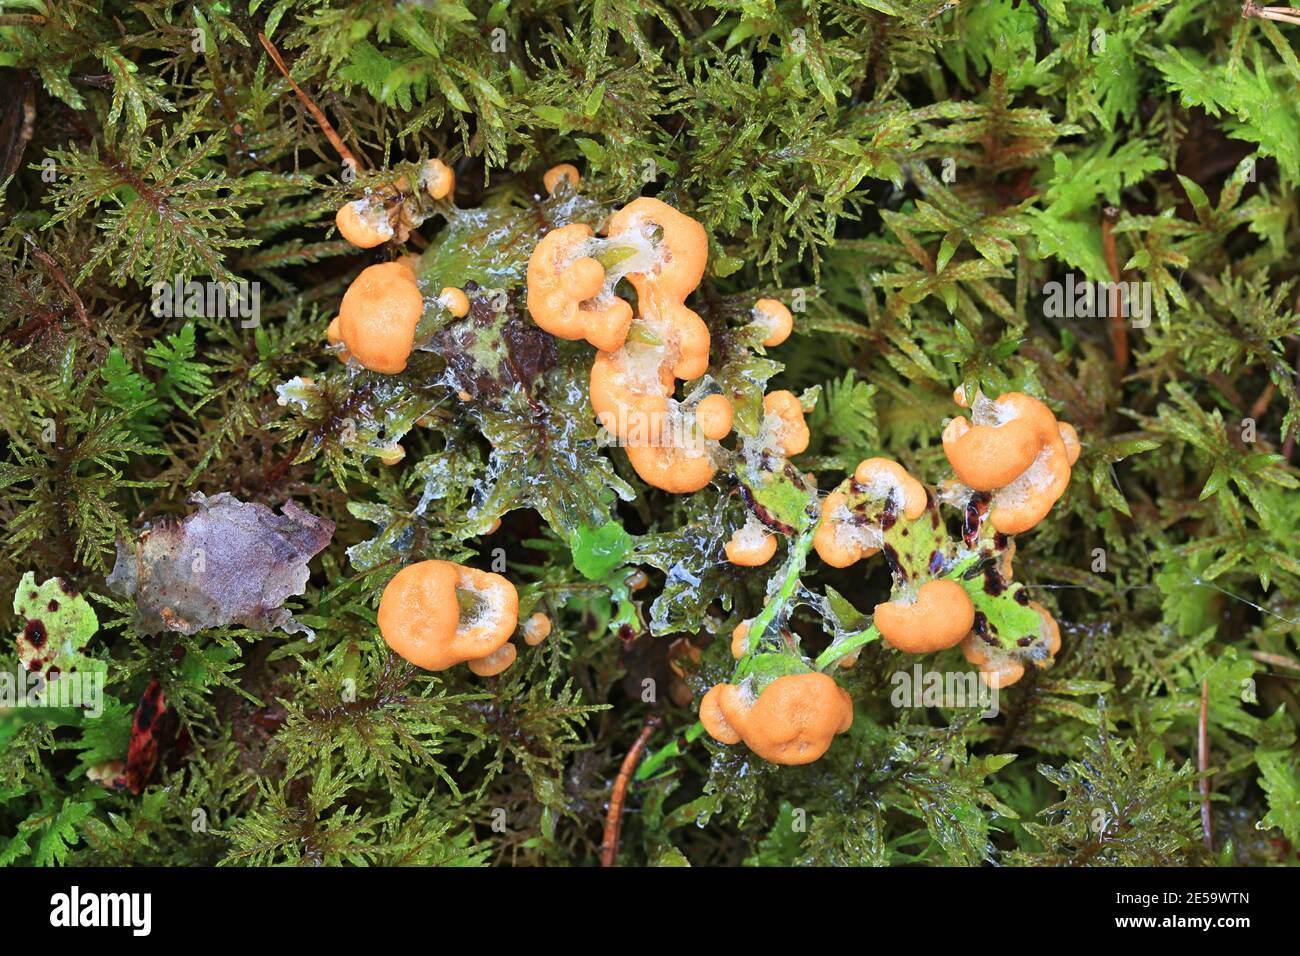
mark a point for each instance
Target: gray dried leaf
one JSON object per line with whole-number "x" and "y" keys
{"x": 229, "y": 562}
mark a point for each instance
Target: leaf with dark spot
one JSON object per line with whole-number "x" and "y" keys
{"x": 56, "y": 625}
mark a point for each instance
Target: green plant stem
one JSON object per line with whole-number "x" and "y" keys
{"x": 651, "y": 765}
{"x": 789, "y": 581}
{"x": 844, "y": 645}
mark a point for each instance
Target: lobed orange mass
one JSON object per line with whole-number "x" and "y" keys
{"x": 437, "y": 614}
{"x": 792, "y": 721}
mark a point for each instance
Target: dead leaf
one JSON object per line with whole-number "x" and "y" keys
{"x": 148, "y": 728}
{"x": 230, "y": 562}
{"x": 111, "y": 775}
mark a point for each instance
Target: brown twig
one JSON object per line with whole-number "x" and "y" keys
{"x": 100, "y": 81}
{"x": 326, "y": 127}
{"x": 1203, "y": 764}
{"x": 43, "y": 319}
{"x": 56, "y": 273}
{"x": 1118, "y": 330}
{"x": 1275, "y": 660}
{"x": 1288, "y": 446}
{"x": 22, "y": 20}
{"x": 23, "y": 93}
{"x": 614, "y": 818}
{"x": 1281, "y": 14}
{"x": 1261, "y": 404}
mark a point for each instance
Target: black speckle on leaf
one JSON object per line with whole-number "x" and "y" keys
{"x": 993, "y": 583}
{"x": 888, "y": 517}
{"x": 975, "y": 509}
{"x": 891, "y": 558}
{"x": 35, "y": 633}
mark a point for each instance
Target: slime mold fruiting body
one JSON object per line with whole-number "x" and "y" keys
{"x": 364, "y": 224}
{"x": 775, "y": 319}
{"x": 572, "y": 280}
{"x": 393, "y": 209}
{"x": 1015, "y": 449}
{"x": 537, "y": 629}
{"x": 751, "y": 546}
{"x": 631, "y": 386}
{"x": 437, "y": 614}
{"x": 438, "y": 179}
{"x": 784, "y": 415}
{"x": 939, "y": 616}
{"x": 378, "y": 317}
{"x": 850, "y": 529}
{"x": 791, "y": 721}
{"x": 1001, "y": 669}
{"x": 552, "y": 178}
{"x": 455, "y": 301}
{"x": 568, "y": 294}
{"x": 494, "y": 663}
{"x": 713, "y": 414}
{"x": 382, "y": 308}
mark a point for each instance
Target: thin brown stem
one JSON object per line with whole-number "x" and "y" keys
{"x": 56, "y": 273}
{"x": 1288, "y": 446}
{"x": 1275, "y": 660}
{"x": 1280, "y": 14}
{"x": 1118, "y": 330}
{"x": 326, "y": 127}
{"x": 1261, "y": 404}
{"x": 1203, "y": 764}
{"x": 614, "y": 818}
